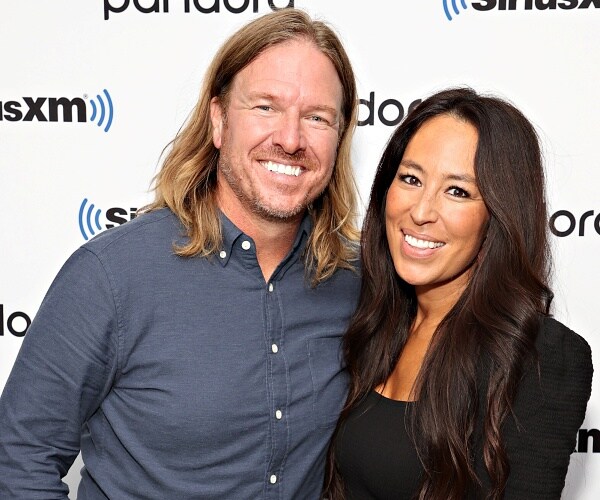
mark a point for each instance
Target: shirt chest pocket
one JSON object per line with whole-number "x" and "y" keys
{"x": 329, "y": 379}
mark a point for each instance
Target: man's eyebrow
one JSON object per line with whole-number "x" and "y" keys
{"x": 453, "y": 177}
{"x": 269, "y": 96}
{"x": 325, "y": 108}
{"x": 262, "y": 95}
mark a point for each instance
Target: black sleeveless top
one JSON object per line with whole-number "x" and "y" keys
{"x": 378, "y": 461}
{"x": 374, "y": 453}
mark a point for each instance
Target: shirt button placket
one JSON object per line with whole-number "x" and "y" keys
{"x": 279, "y": 429}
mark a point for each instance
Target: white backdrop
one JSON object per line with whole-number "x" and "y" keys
{"x": 146, "y": 59}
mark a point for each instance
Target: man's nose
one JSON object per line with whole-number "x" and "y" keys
{"x": 289, "y": 134}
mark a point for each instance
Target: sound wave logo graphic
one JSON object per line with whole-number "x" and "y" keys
{"x": 463, "y": 4}
{"x": 101, "y": 110}
{"x": 85, "y": 219}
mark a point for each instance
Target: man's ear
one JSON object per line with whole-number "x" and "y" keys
{"x": 216, "y": 118}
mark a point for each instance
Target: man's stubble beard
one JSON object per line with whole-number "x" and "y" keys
{"x": 253, "y": 202}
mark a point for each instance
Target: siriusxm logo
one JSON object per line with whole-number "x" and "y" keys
{"x": 101, "y": 111}
{"x": 201, "y": 6}
{"x": 463, "y": 4}
{"x": 89, "y": 218}
{"x": 60, "y": 109}
{"x": 452, "y": 7}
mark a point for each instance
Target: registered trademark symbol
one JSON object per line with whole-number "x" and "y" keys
{"x": 85, "y": 96}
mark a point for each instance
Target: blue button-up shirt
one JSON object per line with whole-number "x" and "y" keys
{"x": 177, "y": 377}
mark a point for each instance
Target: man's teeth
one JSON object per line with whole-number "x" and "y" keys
{"x": 282, "y": 169}
{"x": 414, "y": 242}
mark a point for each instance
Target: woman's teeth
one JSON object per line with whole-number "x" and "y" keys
{"x": 414, "y": 242}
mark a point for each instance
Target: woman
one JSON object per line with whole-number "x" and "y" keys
{"x": 462, "y": 385}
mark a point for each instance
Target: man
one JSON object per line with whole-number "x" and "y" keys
{"x": 195, "y": 351}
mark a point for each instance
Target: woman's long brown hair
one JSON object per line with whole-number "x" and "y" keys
{"x": 491, "y": 330}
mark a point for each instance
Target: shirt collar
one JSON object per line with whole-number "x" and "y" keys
{"x": 231, "y": 233}
{"x": 304, "y": 231}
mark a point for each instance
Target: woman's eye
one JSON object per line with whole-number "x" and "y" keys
{"x": 458, "y": 192}
{"x": 410, "y": 179}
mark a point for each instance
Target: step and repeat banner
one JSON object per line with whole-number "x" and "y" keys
{"x": 91, "y": 92}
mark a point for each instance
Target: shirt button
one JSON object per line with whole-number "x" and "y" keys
{"x": 222, "y": 254}
{"x": 278, "y": 415}
{"x": 246, "y": 245}
{"x": 270, "y": 287}
{"x": 273, "y": 479}
{"x": 274, "y": 348}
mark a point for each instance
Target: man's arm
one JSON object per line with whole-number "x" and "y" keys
{"x": 63, "y": 372}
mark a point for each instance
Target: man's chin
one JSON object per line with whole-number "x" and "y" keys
{"x": 279, "y": 214}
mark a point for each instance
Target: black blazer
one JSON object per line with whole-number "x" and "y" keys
{"x": 548, "y": 410}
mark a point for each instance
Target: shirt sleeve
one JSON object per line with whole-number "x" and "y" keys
{"x": 63, "y": 371}
{"x": 548, "y": 411}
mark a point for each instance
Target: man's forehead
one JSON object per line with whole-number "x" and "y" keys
{"x": 293, "y": 66}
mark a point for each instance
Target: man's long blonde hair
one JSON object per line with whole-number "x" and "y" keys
{"x": 186, "y": 182}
